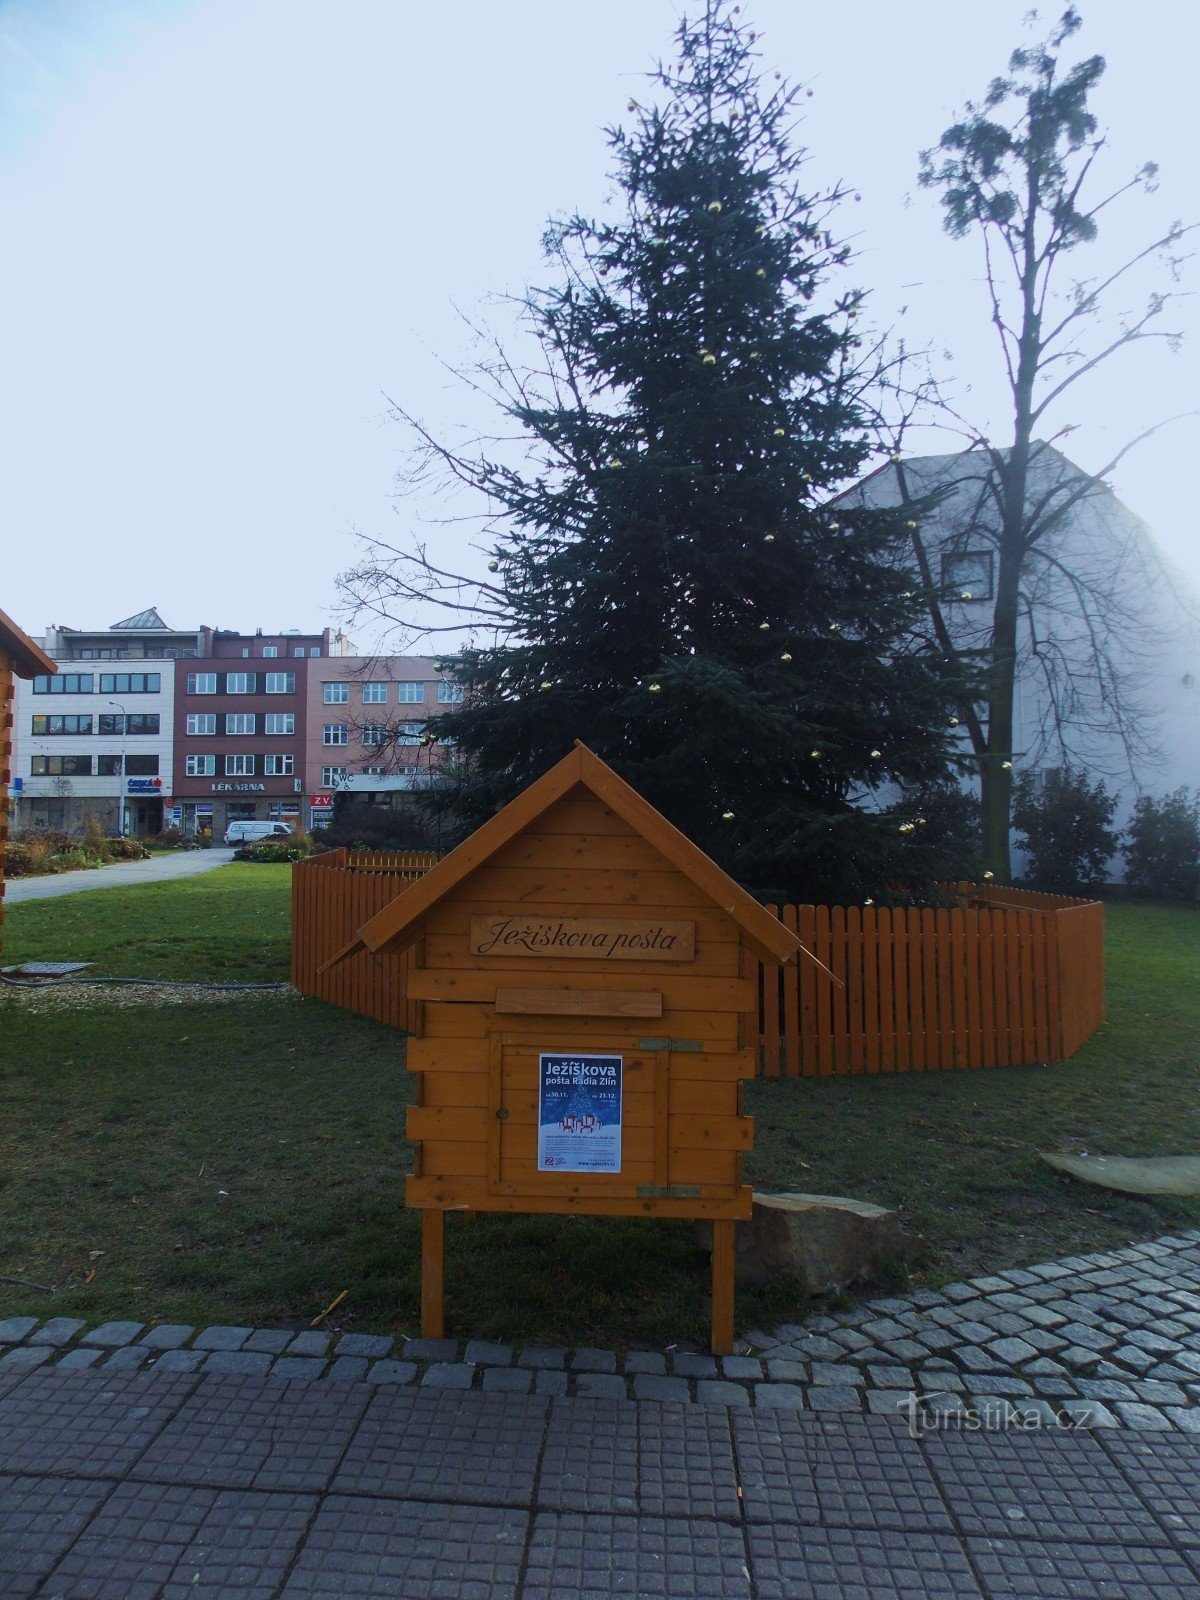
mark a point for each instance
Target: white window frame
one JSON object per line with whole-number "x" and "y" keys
{"x": 239, "y": 766}
{"x": 241, "y": 683}
{"x": 332, "y": 776}
{"x": 286, "y": 717}
{"x": 335, "y": 694}
{"x": 200, "y": 724}
{"x": 200, "y": 766}
{"x": 240, "y": 724}
{"x": 279, "y": 766}
{"x": 449, "y": 694}
{"x": 410, "y": 732}
{"x": 280, "y": 683}
{"x": 374, "y": 694}
{"x": 202, "y": 683}
{"x": 270, "y": 651}
{"x": 334, "y": 733}
{"x": 410, "y": 694}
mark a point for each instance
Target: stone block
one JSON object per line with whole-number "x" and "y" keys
{"x": 111, "y": 1334}
{"x": 715, "y": 1392}
{"x": 824, "y": 1241}
{"x": 58, "y": 1331}
{"x": 391, "y": 1371}
{"x": 600, "y": 1385}
{"x": 168, "y": 1336}
{"x": 372, "y": 1345}
{"x": 14, "y": 1329}
{"x": 222, "y": 1338}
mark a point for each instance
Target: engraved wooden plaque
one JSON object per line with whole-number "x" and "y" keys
{"x": 583, "y": 938}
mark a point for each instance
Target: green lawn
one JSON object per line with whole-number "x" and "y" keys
{"x": 121, "y": 1125}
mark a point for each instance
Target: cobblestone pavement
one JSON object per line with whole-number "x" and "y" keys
{"x": 1112, "y": 1340}
{"x": 156, "y": 1485}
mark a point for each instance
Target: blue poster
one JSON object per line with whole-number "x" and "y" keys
{"x": 579, "y": 1113}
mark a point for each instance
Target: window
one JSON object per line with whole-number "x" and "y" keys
{"x": 276, "y": 722}
{"x": 332, "y": 776}
{"x": 374, "y": 733}
{"x": 335, "y": 694}
{"x": 410, "y": 732}
{"x": 967, "y": 575}
{"x": 449, "y": 694}
{"x": 57, "y": 725}
{"x": 314, "y": 650}
{"x": 239, "y": 766}
{"x": 200, "y": 723}
{"x": 245, "y": 650}
{"x": 374, "y": 694}
{"x": 135, "y": 766}
{"x": 333, "y": 733}
{"x": 374, "y": 772}
{"x": 201, "y": 766}
{"x": 281, "y": 683}
{"x": 138, "y": 723}
{"x": 241, "y": 682}
{"x": 65, "y": 683}
{"x": 297, "y": 649}
{"x": 60, "y": 766}
{"x": 130, "y": 682}
{"x": 270, "y": 650}
{"x": 202, "y": 683}
{"x": 410, "y": 693}
{"x": 239, "y": 722}
{"x": 279, "y": 766}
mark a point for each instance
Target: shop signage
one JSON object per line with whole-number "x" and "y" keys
{"x": 583, "y": 938}
{"x": 579, "y": 1113}
{"x": 239, "y": 788}
{"x": 143, "y": 785}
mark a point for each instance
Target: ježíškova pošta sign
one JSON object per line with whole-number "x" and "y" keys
{"x": 579, "y": 1113}
{"x": 583, "y": 938}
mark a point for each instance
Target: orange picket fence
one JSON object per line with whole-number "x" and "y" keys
{"x": 332, "y": 896}
{"x": 1006, "y": 977}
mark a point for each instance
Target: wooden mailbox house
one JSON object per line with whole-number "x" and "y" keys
{"x": 586, "y": 1020}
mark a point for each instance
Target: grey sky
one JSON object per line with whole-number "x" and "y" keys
{"x": 233, "y": 225}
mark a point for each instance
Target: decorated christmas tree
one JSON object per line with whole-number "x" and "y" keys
{"x": 674, "y": 586}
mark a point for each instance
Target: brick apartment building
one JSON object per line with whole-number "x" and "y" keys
{"x": 223, "y": 726}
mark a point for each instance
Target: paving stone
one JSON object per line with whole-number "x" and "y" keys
{"x": 694, "y": 1366}
{"x": 371, "y": 1345}
{"x": 850, "y": 1339}
{"x": 990, "y": 1286}
{"x": 542, "y": 1357}
{"x": 299, "y": 1369}
{"x": 1136, "y": 1415}
{"x": 167, "y": 1336}
{"x": 834, "y": 1397}
{"x": 1036, "y": 1568}
{"x": 650, "y": 1361}
{"x": 1185, "y": 1417}
{"x": 959, "y": 1291}
{"x": 887, "y": 1402}
{"x": 1078, "y": 1359}
{"x": 272, "y": 1341}
{"x": 908, "y": 1349}
{"x": 508, "y": 1380}
{"x": 221, "y": 1337}
{"x": 482, "y": 1353}
{"x": 348, "y": 1369}
{"x": 1089, "y": 1414}
{"x": 78, "y": 1358}
{"x": 309, "y": 1343}
{"x": 58, "y": 1331}
{"x": 780, "y": 1371}
{"x": 550, "y": 1382}
{"x": 976, "y": 1360}
{"x": 430, "y": 1350}
{"x": 113, "y": 1333}
{"x": 648, "y": 1386}
{"x": 658, "y": 1558}
{"x": 757, "y": 1339}
{"x": 770, "y": 1396}
{"x": 815, "y": 1347}
{"x": 1154, "y": 1342}
{"x": 128, "y": 1358}
{"x": 1105, "y": 1389}
{"x": 81, "y": 1424}
{"x": 1013, "y": 1351}
{"x": 1044, "y": 1367}
{"x": 25, "y": 1355}
{"x": 587, "y": 1359}
{"x": 742, "y": 1367}
{"x": 178, "y": 1361}
{"x": 718, "y": 1392}
{"x": 846, "y": 1564}
{"x": 602, "y": 1385}
{"x": 1157, "y": 1393}
{"x": 391, "y": 1371}
{"x": 936, "y": 1339}
{"x": 40, "y": 1518}
{"x": 238, "y": 1363}
{"x": 830, "y": 1372}
{"x": 360, "y": 1548}
{"x": 883, "y": 1376}
{"x": 930, "y": 1379}
{"x": 448, "y": 1375}
{"x": 14, "y": 1329}
{"x": 999, "y": 1383}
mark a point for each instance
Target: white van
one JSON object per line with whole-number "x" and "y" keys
{"x": 250, "y": 832}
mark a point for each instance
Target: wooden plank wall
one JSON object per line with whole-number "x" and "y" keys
{"x": 1009, "y": 978}
{"x": 332, "y": 896}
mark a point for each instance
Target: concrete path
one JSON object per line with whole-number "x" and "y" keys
{"x": 157, "y": 1486}
{"x": 159, "y": 869}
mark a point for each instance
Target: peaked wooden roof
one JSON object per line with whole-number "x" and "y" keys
{"x": 399, "y": 923}
{"x": 29, "y": 660}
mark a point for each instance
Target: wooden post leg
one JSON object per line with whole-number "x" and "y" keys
{"x": 722, "y": 1286}
{"x": 433, "y": 1264}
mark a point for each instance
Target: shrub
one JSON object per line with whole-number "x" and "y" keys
{"x": 17, "y": 861}
{"x": 1162, "y": 850}
{"x": 171, "y": 839}
{"x": 296, "y": 848}
{"x": 126, "y": 850}
{"x": 944, "y": 844}
{"x": 362, "y": 827}
{"x": 1063, "y": 826}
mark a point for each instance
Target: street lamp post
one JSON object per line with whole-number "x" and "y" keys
{"x": 124, "y": 737}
